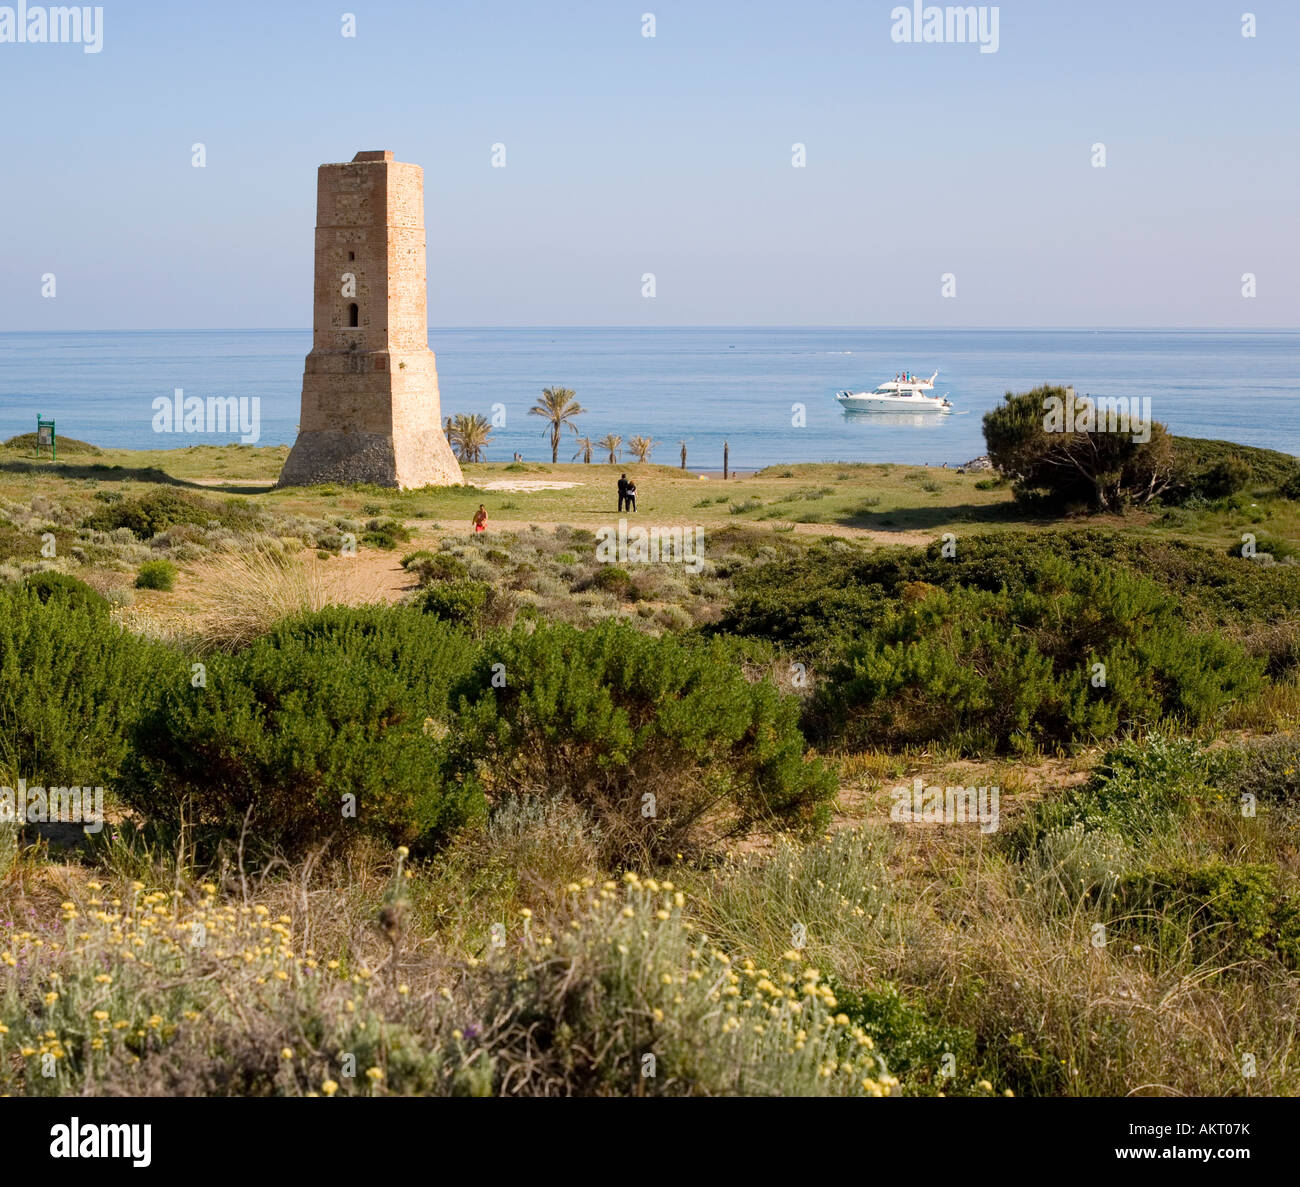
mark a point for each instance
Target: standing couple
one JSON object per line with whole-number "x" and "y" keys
{"x": 626, "y": 493}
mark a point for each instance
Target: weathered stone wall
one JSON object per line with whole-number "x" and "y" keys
{"x": 370, "y": 405}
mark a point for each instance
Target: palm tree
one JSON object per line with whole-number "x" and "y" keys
{"x": 640, "y": 447}
{"x": 469, "y": 436}
{"x": 559, "y": 406}
{"x": 585, "y": 446}
{"x": 611, "y": 443}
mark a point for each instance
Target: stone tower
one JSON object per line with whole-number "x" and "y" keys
{"x": 370, "y": 409}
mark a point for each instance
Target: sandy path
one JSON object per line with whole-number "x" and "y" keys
{"x": 800, "y": 529}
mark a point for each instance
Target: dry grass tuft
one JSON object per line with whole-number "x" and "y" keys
{"x": 240, "y": 596}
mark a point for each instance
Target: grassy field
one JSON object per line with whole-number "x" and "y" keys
{"x": 885, "y": 502}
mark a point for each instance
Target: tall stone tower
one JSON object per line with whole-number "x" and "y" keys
{"x": 370, "y": 409}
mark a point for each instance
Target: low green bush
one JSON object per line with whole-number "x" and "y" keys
{"x": 1137, "y": 792}
{"x": 1223, "y": 912}
{"x": 927, "y": 1056}
{"x": 329, "y": 726}
{"x": 1210, "y": 469}
{"x": 613, "y": 580}
{"x": 819, "y": 600}
{"x": 1274, "y": 546}
{"x": 385, "y": 534}
{"x": 1084, "y": 654}
{"x": 156, "y": 575}
{"x": 61, "y": 588}
{"x": 1267, "y": 769}
{"x": 655, "y": 737}
{"x": 434, "y": 566}
{"x": 157, "y": 511}
{"x": 460, "y": 603}
{"x": 72, "y": 684}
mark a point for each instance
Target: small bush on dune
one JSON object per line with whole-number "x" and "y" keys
{"x": 651, "y": 735}
{"x": 1208, "y": 469}
{"x": 1137, "y": 793}
{"x": 71, "y": 684}
{"x": 159, "y": 575}
{"x": 346, "y": 703}
{"x": 385, "y": 534}
{"x": 1267, "y": 769}
{"x": 157, "y": 511}
{"x": 61, "y": 588}
{"x": 985, "y": 671}
{"x": 1222, "y": 912}
{"x": 434, "y": 566}
{"x": 631, "y": 980}
{"x": 460, "y": 603}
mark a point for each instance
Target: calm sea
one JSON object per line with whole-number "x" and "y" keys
{"x": 702, "y": 385}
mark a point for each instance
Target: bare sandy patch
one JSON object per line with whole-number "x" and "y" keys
{"x": 517, "y": 486}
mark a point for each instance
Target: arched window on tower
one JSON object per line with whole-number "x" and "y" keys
{"x": 352, "y": 314}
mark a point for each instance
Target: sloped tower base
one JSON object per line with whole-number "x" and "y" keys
{"x": 419, "y": 460}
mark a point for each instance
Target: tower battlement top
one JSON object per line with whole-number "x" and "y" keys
{"x": 378, "y": 155}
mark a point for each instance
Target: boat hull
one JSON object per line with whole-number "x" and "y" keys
{"x": 868, "y": 403}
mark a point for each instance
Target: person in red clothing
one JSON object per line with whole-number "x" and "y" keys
{"x": 480, "y": 519}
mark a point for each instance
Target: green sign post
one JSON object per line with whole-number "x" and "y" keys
{"x": 45, "y": 436}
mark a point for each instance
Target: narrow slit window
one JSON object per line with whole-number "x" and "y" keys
{"x": 352, "y": 315}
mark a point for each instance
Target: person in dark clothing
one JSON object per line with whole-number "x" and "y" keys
{"x": 622, "y": 491}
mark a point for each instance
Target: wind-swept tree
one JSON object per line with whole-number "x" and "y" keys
{"x": 612, "y": 444}
{"x": 559, "y": 405}
{"x": 641, "y": 447}
{"x": 1068, "y": 448}
{"x": 469, "y": 436}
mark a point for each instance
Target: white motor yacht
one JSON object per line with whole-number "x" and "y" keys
{"x": 904, "y": 393}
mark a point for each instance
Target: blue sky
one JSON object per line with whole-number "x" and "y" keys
{"x": 669, "y": 155}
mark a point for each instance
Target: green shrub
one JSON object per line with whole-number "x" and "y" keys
{"x": 579, "y": 1016}
{"x": 927, "y": 1056}
{"x": 434, "y": 566}
{"x": 460, "y": 603}
{"x": 1266, "y": 768}
{"x": 1210, "y": 469}
{"x": 1092, "y": 465}
{"x": 157, "y": 511}
{"x": 59, "y": 587}
{"x": 1083, "y": 655}
{"x": 1290, "y": 488}
{"x": 652, "y": 736}
{"x": 613, "y": 580}
{"x": 1137, "y": 792}
{"x": 818, "y": 601}
{"x": 156, "y": 575}
{"x": 1225, "y": 477}
{"x": 1277, "y": 548}
{"x": 1222, "y": 912}
{"x": 385, "y": 534}
{"x": 329, "y": 705}
{"x": 1074, "y": 864}
{"x": 72, "y": 683}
